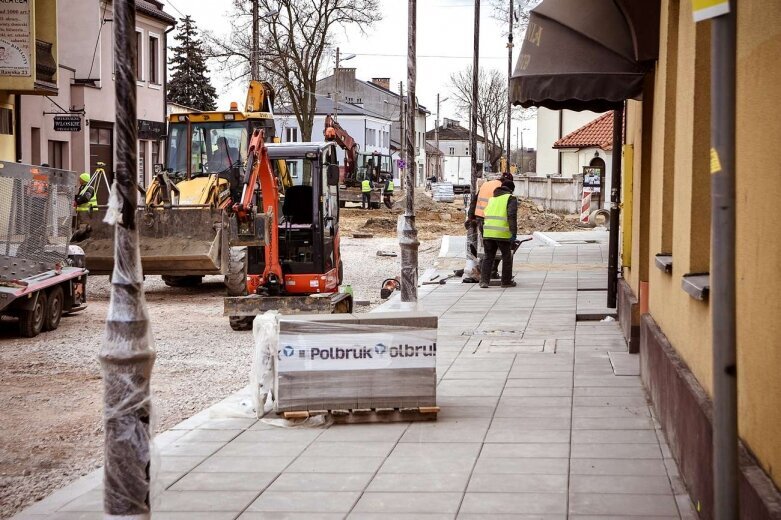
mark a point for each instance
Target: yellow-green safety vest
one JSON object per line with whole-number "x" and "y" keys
{"x": 496, "y": 225}
{"x": 366, "y": 186}
{"x": 389, "y": 189}
{"x": 91, "y": 203}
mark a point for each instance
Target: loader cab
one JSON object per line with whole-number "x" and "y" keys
{"x": 308, "y": 218}
{"x": 206, "y": 143}
{"x": 373, "y": 166}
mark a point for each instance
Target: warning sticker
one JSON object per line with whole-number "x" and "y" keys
{"x": 706, "y": 9}
{"x": 715, "y": 163}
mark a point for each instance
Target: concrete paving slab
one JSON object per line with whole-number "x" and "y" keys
{"x": 514, "y": 503}
{"x": 321, "y": 482}
{"x": 517, "y": 483}
{"x": 224, "y": 482}
{"x": 625, "y": 364}
{"x": 419, "y": 482}
{"x": 205, "y": 501}
{"x": 622, "y": 504}
{"x": 313, "y": 502}
{"x": 409, "y": 502}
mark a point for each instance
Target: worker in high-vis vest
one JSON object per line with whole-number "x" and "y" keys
{"x": 500, "y": 226}
{"x": 87, "y": 197}
{"x": 366, "y": 194}
{"x": 389, "y": 185}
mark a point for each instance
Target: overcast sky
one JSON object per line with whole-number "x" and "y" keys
{"x": 444, "y": 46}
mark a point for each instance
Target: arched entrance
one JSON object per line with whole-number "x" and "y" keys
{"x": 598, "y": 162}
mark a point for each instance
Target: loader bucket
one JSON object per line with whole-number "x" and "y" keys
{"x": 176, "y": 241}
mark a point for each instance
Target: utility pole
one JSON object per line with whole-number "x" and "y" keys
{"x": 254, "y": 72}
{"x": 408, "y": 235}
{"x": 726, "y": 468}
{"x": 436, "y": 139}
{"x": 471, "y": 269}
{"x": 509, "y": 77}
{"x": 126, "y": 355}
{"x": 336, "y": 87}
{"x": 402, "y": 118}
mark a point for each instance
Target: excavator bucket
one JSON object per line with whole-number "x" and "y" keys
{"x": 174, "y": 241}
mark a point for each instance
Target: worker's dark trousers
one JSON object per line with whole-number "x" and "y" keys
{"x": 366, "y": 201}
{"x": 491, "y": 246}
{"x": 480, "y": 223}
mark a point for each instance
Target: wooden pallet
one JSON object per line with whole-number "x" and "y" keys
{"x": 370, "y": 415}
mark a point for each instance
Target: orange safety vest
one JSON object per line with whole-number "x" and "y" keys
{"x": 484, "y": 195}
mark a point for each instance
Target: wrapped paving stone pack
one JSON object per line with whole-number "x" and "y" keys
{"x": 375, "y": 360}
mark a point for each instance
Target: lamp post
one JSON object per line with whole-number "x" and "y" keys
{"x": 509, "y": 77}
{"x": 436, "y": 138}
{"x": 253, "y": 62}
{"x": 336, "y": 80}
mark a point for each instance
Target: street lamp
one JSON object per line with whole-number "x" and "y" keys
{"x": 436, "y": 137}
{"x": 336, "y": 80}
{"x": 254, "y": 68}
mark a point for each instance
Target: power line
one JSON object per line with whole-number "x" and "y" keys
{"x": 175, "y": 8}
{"x": 428, "y": 56}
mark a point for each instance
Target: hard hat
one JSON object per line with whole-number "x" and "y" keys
{"x": 84, "y": 177}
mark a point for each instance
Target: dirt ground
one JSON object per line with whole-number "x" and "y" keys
{"x": 434, "y": 219}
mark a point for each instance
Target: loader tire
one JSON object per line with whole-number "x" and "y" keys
{"x": 241, "y": 322}
{"x": 236, "y": 278}
{"x": 182, "y": 281}
{"x": 54, "y": 306}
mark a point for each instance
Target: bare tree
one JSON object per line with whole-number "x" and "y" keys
{"x": 295, "y": 37}
{"x": 500, "y": 12}
{"x": 491, "y": 106}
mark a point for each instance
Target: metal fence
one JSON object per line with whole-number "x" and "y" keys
{"x": 36, "y": 211}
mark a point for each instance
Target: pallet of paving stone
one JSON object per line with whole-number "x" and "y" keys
{"x": 370, "y": 415}
{"x": 357, "y": 363}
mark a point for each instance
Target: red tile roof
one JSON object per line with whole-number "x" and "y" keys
{"x": 598, "y": 132}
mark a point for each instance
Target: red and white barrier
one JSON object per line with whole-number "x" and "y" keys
{"x": 585, "y": 205}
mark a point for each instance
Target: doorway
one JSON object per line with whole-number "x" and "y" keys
{"x": 598, "y": 162}
{"x": 101, "y": 149}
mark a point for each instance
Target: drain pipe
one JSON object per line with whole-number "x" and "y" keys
{"x": 722, "y": 160}
{"x": 615, "y": 200}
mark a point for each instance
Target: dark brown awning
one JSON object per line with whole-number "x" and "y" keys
{"x": 586, "y": 55}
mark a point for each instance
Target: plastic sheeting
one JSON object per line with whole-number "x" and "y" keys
{"x": 265, "y": 331}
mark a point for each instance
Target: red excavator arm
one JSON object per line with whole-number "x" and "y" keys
{"x": 260, "y": 174}
{"x": 333, "y": 131}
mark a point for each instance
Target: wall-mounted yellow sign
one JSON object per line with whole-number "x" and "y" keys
{"x": 706, "y": 9}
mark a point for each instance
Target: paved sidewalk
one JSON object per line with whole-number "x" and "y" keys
{"x": 535, "y": 423}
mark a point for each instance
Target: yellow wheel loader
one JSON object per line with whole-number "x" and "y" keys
{"x": 186, "y": 224}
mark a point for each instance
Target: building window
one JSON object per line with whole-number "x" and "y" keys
{"x": 155, "y": 153}
{"x": 57, "y": 154}
{"x": 154, "y": 50}
{"x": 291, "y": 135}
{"x": 99, "y": 135}
{"x": 6, "y": 121}
{"x": 142, "y": 163}
{"x": 137, "y": 67}
{"x": 452, "y": 150}
{"x": 358, "y": 100}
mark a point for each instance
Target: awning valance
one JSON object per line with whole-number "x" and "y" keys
{"x": 586, "y": 55}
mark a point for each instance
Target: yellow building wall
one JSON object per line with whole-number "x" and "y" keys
{"x": 7, "y": 141}
{"x": 679, "y": 208}
{"x": 758, "y": 186}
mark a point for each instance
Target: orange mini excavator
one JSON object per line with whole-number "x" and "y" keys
{"x": 287, "y": 231}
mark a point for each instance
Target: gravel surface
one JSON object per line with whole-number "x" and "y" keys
{"x": 50, "y": 386}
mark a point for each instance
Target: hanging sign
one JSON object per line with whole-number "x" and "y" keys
{"x": 67, "y": 123}
{"x": 15, "y": 35}
{"x": 706, "y": 9}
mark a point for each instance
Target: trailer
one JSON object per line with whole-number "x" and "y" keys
{"x": 42, "y": 276}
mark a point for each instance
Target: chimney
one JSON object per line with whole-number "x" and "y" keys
{"x": 382, "y": 82}
{"x": 346, "y": 78}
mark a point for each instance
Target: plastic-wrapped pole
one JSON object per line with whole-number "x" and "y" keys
{"x": 615, "y": 211}
{"x": 127, "y": 355}
{"x": 408, "y": 235}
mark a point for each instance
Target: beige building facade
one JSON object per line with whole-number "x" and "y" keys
{"x": 667, "y": 248}
{"x": 86, "y": 94}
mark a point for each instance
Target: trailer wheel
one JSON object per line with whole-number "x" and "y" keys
{"x": 51, "y": 319}
{"x": 241, "y": 322}
{"x": 31, "y": 321}
{"x": 236, "y": 277}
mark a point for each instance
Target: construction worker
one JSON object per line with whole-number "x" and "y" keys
{"x": 389, "y": 185}
{"x": 366, "y": 194}
{"x": 87, "y": 197}
{"x": 499, "y": 232}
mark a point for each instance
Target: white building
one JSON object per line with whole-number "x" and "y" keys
{"x": 370, "y": 130}
{"x": 454, "y": 145}
{"x": 552, "y": 125}
{"x": 588, "y": 151}
{"x": 378, "y": 97}
{"x": 75, "y": 129}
